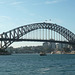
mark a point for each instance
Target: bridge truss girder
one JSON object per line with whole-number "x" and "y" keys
{"x": 23, "y": 30}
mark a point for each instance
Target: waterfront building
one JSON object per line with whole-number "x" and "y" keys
{"x": 61, "y": 45}
{"x": 52, "y": 45}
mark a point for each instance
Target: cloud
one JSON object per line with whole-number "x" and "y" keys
{"x": 37, "y": 3}
{"x": 58, "y": 21}
{"x": 48, "y": 2}
{"x": 4, "y": 18}
{"x": 16, "y": 3}
{"x": 1, "y": 2}
{"x": 52, "y": 2}
{"x": 32, "y": 14}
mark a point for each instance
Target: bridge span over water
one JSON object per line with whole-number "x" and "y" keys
{"x": 39, "y": 32}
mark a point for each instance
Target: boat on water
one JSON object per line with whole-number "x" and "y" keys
{"x": 42, "y": 54}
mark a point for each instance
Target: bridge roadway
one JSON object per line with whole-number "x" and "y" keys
{"x": 36, "y": 40}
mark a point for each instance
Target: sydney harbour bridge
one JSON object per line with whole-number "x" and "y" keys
{"x": 39, "y": 32}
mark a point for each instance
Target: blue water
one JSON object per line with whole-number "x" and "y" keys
{"x": 34, "y": 64}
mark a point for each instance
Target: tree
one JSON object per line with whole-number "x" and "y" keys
{"x": 67, "y": 50}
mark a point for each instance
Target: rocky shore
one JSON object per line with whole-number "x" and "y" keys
{"x": 62, "y": 52}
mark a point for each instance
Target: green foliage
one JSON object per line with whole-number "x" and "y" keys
{"x": 67, "y": 50}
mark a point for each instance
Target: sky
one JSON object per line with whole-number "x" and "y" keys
{"x": 15, "y": 13}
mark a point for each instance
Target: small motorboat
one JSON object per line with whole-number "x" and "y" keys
{"x": 42, "y": 54}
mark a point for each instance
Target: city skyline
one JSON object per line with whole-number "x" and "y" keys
{"x": 15, "y": 13}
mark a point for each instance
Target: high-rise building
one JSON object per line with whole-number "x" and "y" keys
{"x": 61, "y": 45}
{"x": 53, "y": 45}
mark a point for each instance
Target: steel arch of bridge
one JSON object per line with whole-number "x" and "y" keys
{"x": 20, "y": 31}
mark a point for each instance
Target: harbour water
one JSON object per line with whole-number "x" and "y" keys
{"x": 34, "y": 64}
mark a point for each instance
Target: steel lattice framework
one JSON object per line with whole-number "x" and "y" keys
{"x": 20, "y": 31}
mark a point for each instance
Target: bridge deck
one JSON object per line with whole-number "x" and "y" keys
{"x": 36, "y": 40}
